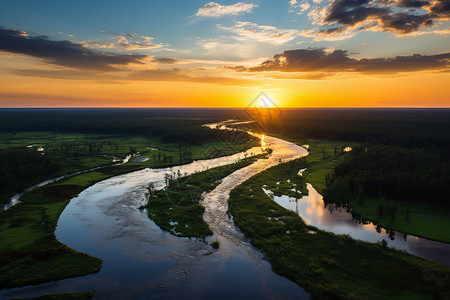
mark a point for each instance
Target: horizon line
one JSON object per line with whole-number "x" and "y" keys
{"x": 216, "y": 107}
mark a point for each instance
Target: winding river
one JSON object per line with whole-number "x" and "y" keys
{"x": 143, "y": 261}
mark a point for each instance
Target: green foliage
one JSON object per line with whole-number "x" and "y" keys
{"x": 21, "y": 168}
{"x": 394, "y": 172}
{"x": 215, "y": 244}
{"x": 328, "y": 266}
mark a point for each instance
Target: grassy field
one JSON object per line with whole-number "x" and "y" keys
{"x": 29, "y": 252}
{"x": 177, "y": 208}
{"x": 344, "y": 268}
{"x": 418, "y": 219}
{"x": 321, "y": 158}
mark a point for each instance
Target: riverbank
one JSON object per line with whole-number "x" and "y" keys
{"x": 29, "y": 252}
{"x": 344, "y": 267}
{"x": 413, "y": 218}
{"x": 422, "y": 220}
{"x": 177, "y": 208}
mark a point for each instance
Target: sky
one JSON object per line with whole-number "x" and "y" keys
{"x": 151, "y": 53}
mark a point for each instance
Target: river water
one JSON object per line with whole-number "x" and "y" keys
{"x": 141, "y": 261}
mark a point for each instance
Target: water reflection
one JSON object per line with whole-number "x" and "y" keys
{"x": 341, "y": 221}
{"x": 263, "y": 143}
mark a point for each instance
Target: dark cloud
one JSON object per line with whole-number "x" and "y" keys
{"x": 165, "y": 60}
{"x": 332, "y": 30}
{"x": 405, "y": 23}
{"x": 412, "y": 3}
{"x": 441, "y": 7}
{"x": 63, "y": 53}
{"x": 351, "y": 12}
{"x": 404, "y": 3}
{"x": 400, "y": 16}
{"x": 318, "y": 60}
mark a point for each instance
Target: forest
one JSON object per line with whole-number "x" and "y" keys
{"x": 392, "y": 172}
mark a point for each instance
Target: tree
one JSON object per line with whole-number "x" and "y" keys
{"x": 361, "y": 195}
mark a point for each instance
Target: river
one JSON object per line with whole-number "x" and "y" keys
{"x": 142, "y": 261}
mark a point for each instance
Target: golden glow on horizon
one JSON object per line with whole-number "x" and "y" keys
{"x": 414, "y": 90}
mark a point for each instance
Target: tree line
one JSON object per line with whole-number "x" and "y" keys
{"x": 20, "y": 168}
{"x": 395, "y": 172}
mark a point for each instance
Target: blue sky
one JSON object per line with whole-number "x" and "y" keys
{"x": 174, "y": 24}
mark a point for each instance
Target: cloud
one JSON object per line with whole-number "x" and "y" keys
{"x": 174, "y": 75}
{"x": 127, "y": 41}
{"x": 213, "y": 9}
{"x": 442, "y": 32}
{"x": 301, "y": 7}
{"x": 397, "y": 16}
{"x": 320, "y": 60}
{"x": 165, "y": 60}
{"x": 261, "y": 33}
{"x": 62, "y": 53}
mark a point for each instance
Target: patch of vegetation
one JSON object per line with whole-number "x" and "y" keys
{"x": 321, "y": 158}
{"x": 329, "y": 266}
{"x": 423, "y": 220}
{"x": 412, "y": 175}
{"x": 215, "y": 244}
{"x": 29, "y": 252}
{"x": 177, "y": 208}
{"x": 58, "y": 296}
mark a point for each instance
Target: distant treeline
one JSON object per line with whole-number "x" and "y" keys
{"x": 405, "y": 127}
{"x": 171, "y": 125}
{"x": 421, "y": 175}
{"x": 21, "y": 168}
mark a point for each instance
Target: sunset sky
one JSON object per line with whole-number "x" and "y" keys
{"x": 302, "y": 53}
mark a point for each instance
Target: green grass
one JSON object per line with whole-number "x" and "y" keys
{"x": 329, "y": 266}
{"x": 58, "y": 296}
{"x": 29, "y": 252}
{"x": 425, "y": 220}
{"x": 177, "y": 208}
{"x": 321, "y": 158}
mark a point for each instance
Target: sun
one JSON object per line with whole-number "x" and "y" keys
{"x": 266, "y": 102}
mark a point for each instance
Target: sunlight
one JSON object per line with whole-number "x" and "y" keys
{"x": 266, "y": 102}
{"x": 263, "y": 143}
